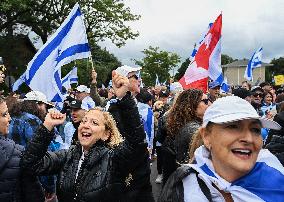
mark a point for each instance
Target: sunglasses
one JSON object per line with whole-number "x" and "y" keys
{"x": 258, "y": 94}
{"x": 206, "y": 101}
{"x": 133, "y": 76}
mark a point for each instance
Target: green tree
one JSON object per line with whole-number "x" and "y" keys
{"x": 225, "y": 59}
{"x": 182, "y": 69}
{"x": 276, "y": 69}
{"x": 103, "y": 18}
{"x": 157, "y": 62}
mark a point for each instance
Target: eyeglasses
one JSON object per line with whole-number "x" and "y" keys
{"x": 258, "y": 94}
{"x": 206, "y": 101}
{"x": 133, "y": 76}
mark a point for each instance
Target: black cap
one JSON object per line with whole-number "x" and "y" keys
{"x": 241, "y": 92}
{"x": 144, "y": 96}
{"x": 164, "y": 93}
{"x": 75, "y": 104}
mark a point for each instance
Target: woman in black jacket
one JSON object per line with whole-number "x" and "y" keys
{"x": 96, "y": 168}
{"x": 15, "y": 183}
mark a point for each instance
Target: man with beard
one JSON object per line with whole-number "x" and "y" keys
{"x": 78, "y": 111}
{"x": 256, "y": 98}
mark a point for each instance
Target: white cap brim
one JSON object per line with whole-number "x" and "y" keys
{"x": 265, "y": 123}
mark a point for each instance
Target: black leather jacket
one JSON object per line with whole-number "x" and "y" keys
{"x": 15, "y": 183}
{"x": 103, "y": 172}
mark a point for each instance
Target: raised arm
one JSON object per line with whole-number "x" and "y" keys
{"x": 36, "y": 158}
{"x": 100, "y": 101}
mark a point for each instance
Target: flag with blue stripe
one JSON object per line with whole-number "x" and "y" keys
{"x": 254, "y": 62}
{"x": 70, "y": 78}
{"x": 224, "y": 86}
{"x": 67, "y": 44}
{"x": 19, "y": 82}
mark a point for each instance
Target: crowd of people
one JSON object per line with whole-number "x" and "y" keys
{"x": 99, "y": 145}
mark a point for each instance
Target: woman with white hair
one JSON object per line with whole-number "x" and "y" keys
{"x": 231, "y": 165}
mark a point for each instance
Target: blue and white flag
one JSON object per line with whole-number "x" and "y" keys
{"x": 67, "y": 44}
{"x": 224, "y": 85}
{"x": 70, "y": 78}
{"x": 19, "y": 82}
{"x": 157, "y": 83}
{"x": 264, "y": 182}
{"x": 254, "y": 62}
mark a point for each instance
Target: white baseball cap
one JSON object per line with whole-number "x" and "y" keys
{"x": 232, "y": 108}
{"x": 125, "y": 70}
{"x": 37, "y": 96}
{"x": 83, "y": 89}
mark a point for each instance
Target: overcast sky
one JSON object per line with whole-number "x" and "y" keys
{"x": 176, "y": 26}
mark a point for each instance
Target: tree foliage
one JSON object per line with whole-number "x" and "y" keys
{"x": 103, "y": 18}
{"x": 182, "y": 69}
{"x": 157, "y": 62}
{"x": 276, "y": 69}
{"x": 225, "y": 59}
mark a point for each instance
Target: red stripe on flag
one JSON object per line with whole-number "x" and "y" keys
{"x": 200, "y": 84}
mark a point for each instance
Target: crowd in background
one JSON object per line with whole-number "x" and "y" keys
{"x": 74, "y": 165}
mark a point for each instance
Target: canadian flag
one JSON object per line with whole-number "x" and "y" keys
{"x": 207, "y": 61}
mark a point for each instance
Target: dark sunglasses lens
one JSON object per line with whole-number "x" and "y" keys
{"x": 205, "y": 101}
{"x": 258, "y": 94}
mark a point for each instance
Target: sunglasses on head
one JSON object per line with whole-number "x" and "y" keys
{"x": 206, "y": 101}
{"x": 258, "y": 94}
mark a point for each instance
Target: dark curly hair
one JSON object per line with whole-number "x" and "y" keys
{"x": 183, "y": 110}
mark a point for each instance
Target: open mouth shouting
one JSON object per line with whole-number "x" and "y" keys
{"x": 243, "y": 154}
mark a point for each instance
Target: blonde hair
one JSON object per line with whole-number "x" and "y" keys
{"x": 196, "y": 141}
{"x": 115, "y": 137}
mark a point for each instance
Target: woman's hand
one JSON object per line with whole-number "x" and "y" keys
{"x": 94, "y": 76}
{"x": 120, "y": 84}
{"x": 53, "y": 118}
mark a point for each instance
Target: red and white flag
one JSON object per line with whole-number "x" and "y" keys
{"x": 206, "y": 61}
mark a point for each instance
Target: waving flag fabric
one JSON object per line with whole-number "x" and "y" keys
{"x": 207, "y": 61}
{"x": 197, "y": 45}
{"x": 19, "y": 82}
{"x": 67, "y": 44}
{"x": 254, "y": 62}
{"x": 224, "y": 86}
{"x": 70, "y": 78}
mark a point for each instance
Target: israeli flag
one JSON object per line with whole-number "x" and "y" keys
{"x": 70, "y": 78}
{"x": 67, "y": 44}
{"x": 224, "y": 86}
{"x": 254, "y": 62}
{"x": 19, "y": 82}
{"x": 157, "y": 83}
